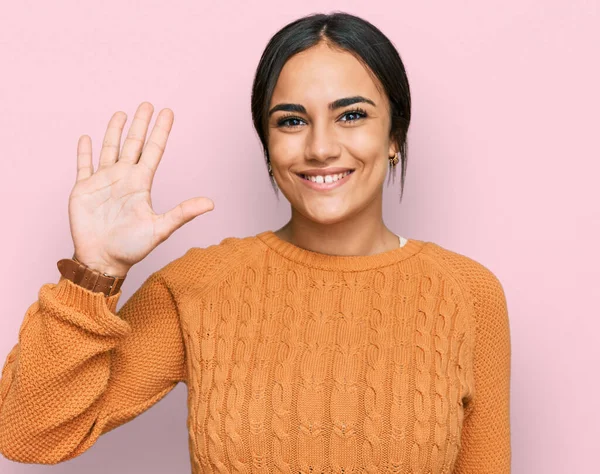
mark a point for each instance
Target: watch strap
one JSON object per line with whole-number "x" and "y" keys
{"x": 93, "y": 280}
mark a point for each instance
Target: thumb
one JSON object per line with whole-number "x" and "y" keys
{"x": 173, "y": 219}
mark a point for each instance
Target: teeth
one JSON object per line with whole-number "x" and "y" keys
{"x": 330, "y": 178}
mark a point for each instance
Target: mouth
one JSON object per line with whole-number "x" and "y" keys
{"x": 325, "y": 182}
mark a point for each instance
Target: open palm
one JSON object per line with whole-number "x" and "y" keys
{"x": 113, "y": 225}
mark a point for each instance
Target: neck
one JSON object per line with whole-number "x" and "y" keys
{"x": 362, "y": 234}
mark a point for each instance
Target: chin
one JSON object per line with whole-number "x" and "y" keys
{"x": 326, "y": 216}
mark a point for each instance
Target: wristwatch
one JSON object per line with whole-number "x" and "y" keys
{"x": 72, "y": 269}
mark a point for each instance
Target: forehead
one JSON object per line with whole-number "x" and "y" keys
{"x": 322, "y": 74}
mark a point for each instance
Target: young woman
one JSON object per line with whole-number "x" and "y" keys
{"x": 330, "y": 345}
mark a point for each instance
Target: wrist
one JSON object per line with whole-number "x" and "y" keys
{"x": 105, "y": 269}
{"x": 94, "y": 279}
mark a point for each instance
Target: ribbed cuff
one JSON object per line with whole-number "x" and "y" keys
{"x": 90, "y": 310}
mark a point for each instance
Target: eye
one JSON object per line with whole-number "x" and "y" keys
{"x": 357, "y": 114}
{"x": 289, "y": 121}
{"x": 292, "y": 121}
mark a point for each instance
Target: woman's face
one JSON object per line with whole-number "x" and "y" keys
{"x": 309, "y": 134}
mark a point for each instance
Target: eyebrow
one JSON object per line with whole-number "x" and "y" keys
{"x": 336, "y": 104}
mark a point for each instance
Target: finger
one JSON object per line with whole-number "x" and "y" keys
{"x": 112, "y": 139}
{"x": 85, "y": 167}
{"x": 155, "y": 148}
{"x": 172, "y": 220}
{"x": 132, "y": 148}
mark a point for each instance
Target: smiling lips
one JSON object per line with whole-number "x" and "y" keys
{"x": 325, "y": 182}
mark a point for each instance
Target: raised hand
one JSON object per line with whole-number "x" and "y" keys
{"x": 112, "y": 222}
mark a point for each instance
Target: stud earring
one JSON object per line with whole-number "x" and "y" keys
{"x": 269, "y": 168}
{"x": 394, "y": 159}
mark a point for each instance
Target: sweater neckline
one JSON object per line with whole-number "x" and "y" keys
{"x": 339, "y": 262}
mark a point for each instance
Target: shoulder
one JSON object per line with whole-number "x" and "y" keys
{"x": 478, "y": 283}
{"x": 200, "y": 265}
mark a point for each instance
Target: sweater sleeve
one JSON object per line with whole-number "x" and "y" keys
{"x": 81, "y": 369}
{"x": 485, "y": 439}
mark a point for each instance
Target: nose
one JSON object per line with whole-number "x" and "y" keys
{"x": 322, "y": 143}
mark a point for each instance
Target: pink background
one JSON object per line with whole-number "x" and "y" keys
{"x": 503, "y": 167}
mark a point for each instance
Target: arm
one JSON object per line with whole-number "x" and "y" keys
{"x": 485, "y": 437}
{"x": 80, "y": 369}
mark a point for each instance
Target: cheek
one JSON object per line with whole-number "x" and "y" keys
{"x": 284, "y": 148}
{"x": 367, "y": 145}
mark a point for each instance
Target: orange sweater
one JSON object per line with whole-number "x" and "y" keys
{"x": 294, "y": 361}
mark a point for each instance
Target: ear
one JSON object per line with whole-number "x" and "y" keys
{"x": 393, "y": 148}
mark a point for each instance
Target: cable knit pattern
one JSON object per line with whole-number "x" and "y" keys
{"x": 295, "y": 362}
